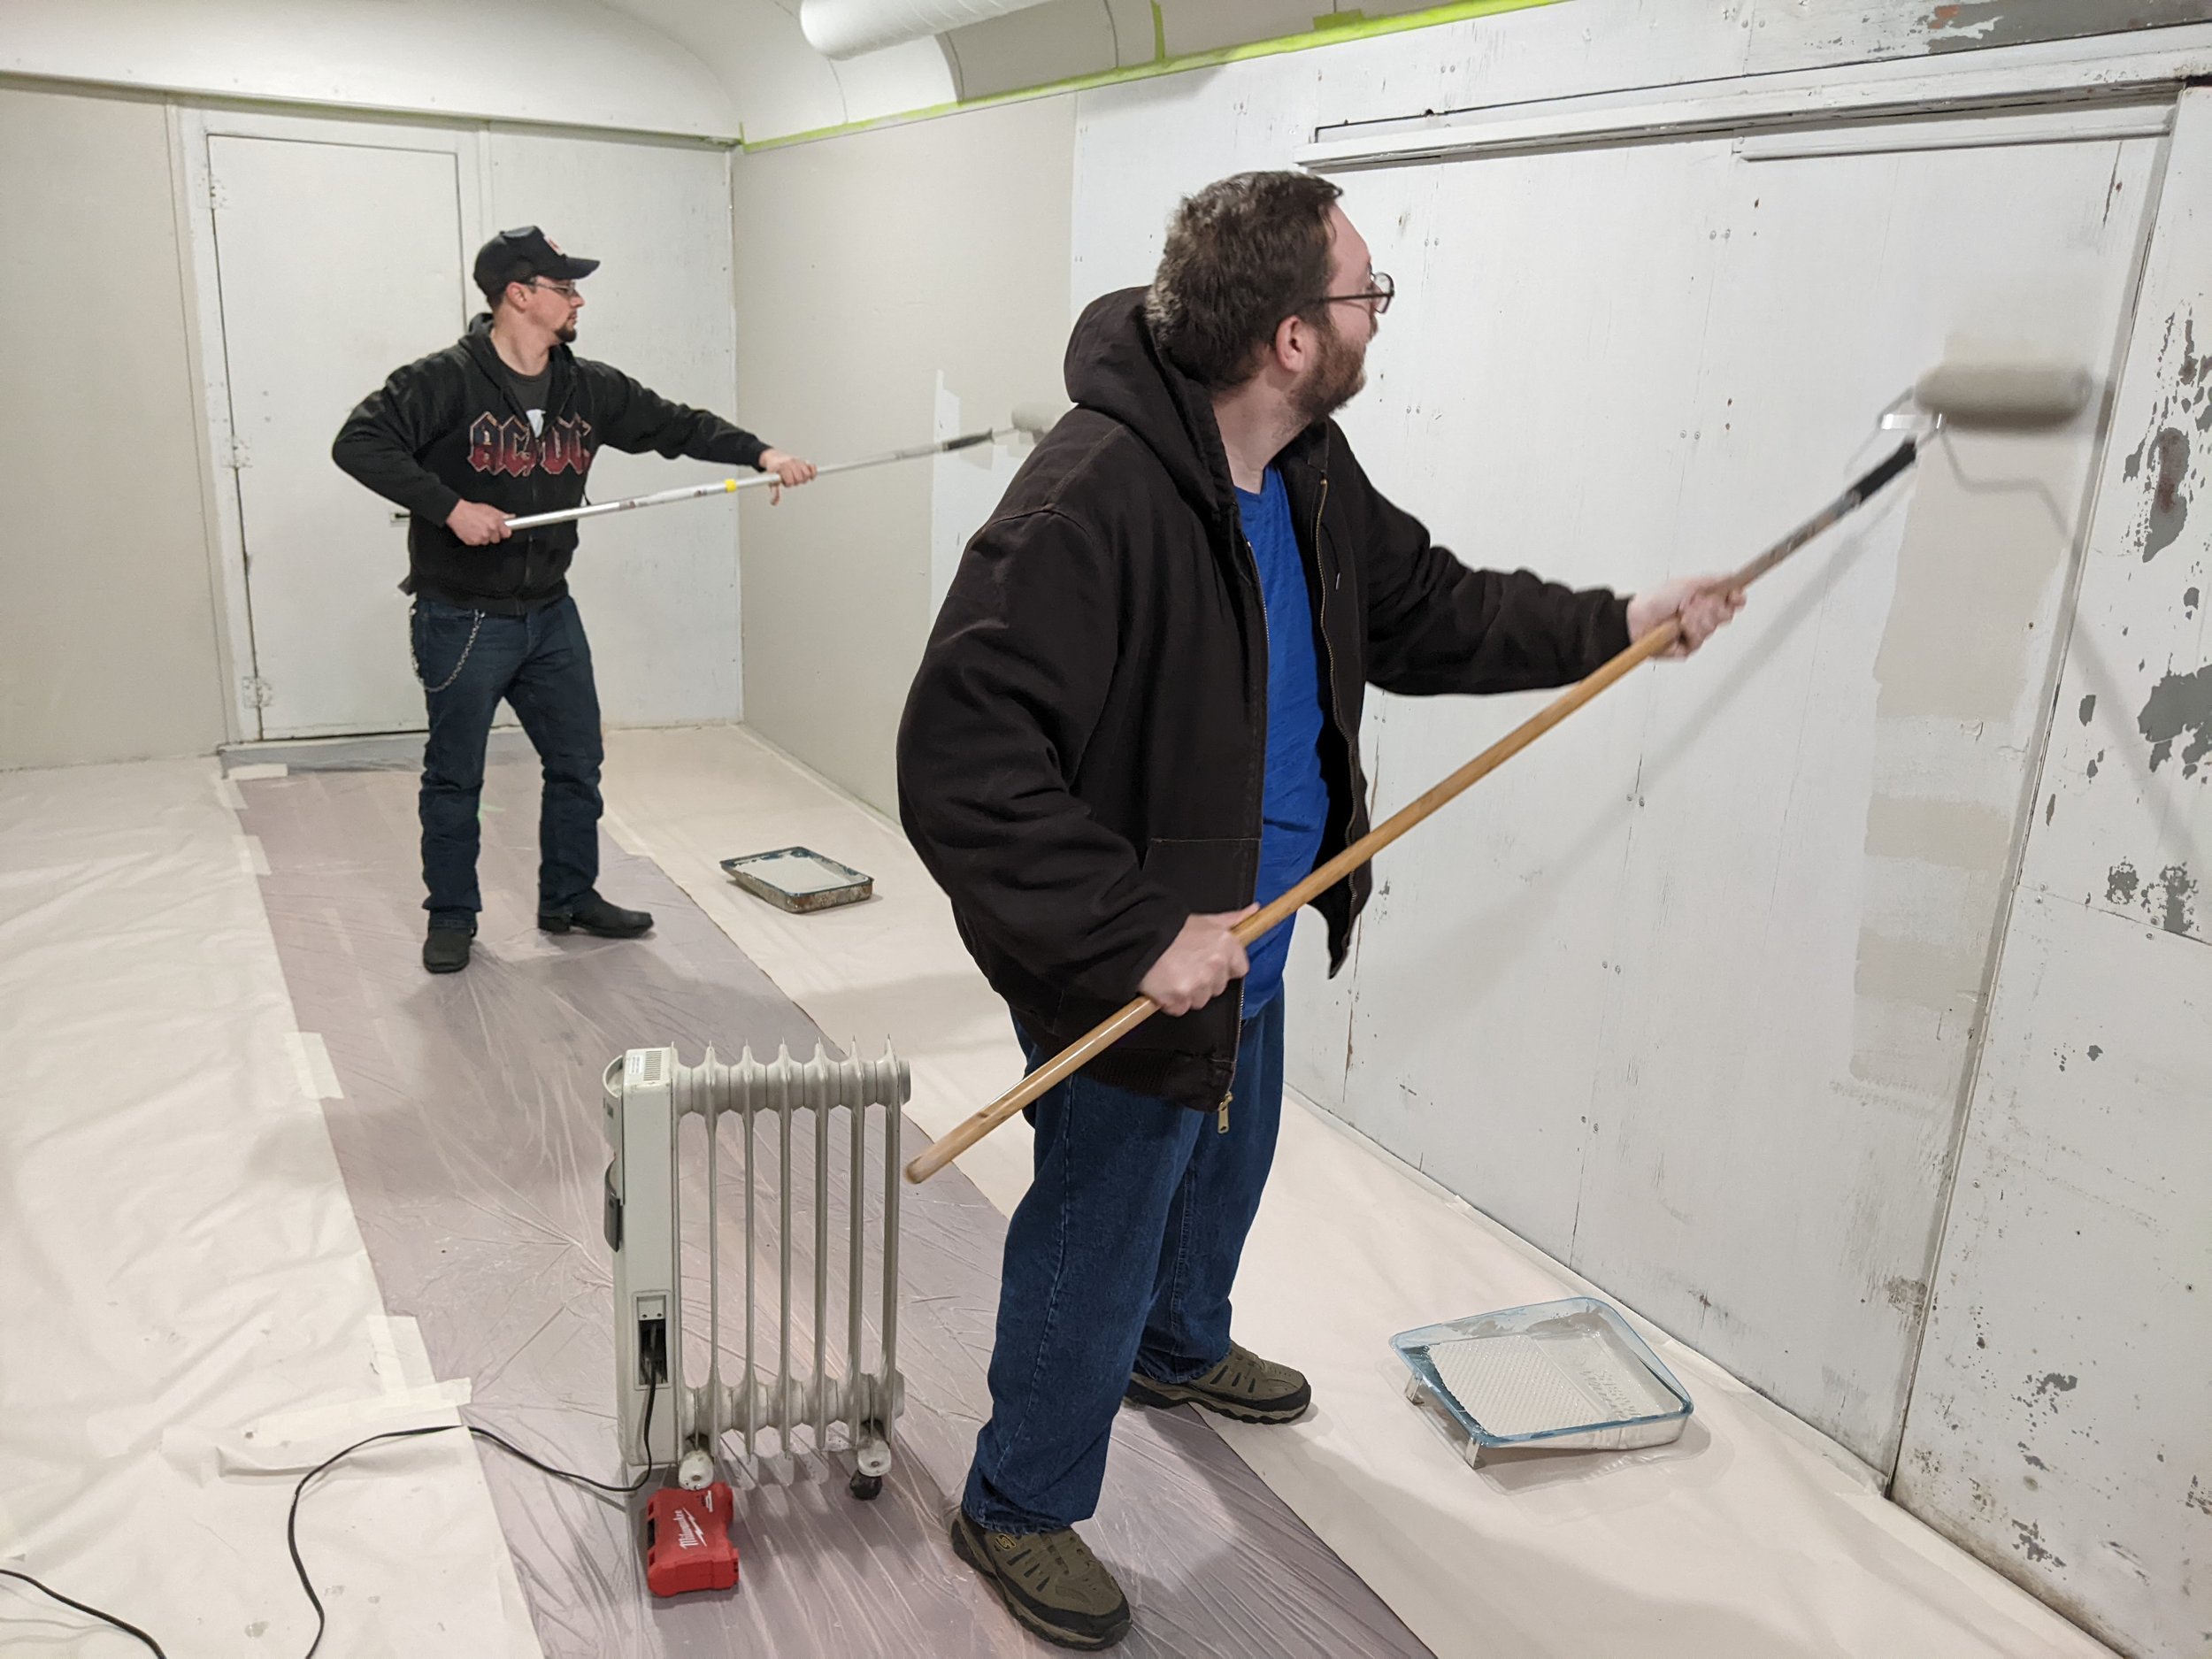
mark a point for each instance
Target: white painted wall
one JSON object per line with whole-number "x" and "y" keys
{"x": 890, "y": 285}
{"x": 111, "y": 652}
{"x": 2058, "y": 1423}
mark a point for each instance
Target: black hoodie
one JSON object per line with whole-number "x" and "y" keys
{"x": 447, "y": 428}
{"x": 1083, "y": 752}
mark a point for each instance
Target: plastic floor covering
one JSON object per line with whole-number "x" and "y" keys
{"x": 265, "y": 1187}
{"x": 468, "y": 1131}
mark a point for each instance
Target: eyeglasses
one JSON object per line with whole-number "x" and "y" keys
{"x": 567, "y": 290}
{"x": 1380, "y": 291}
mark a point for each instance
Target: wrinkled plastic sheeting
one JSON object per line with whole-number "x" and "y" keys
{"x": 182, "y": 1266}
{"x": 470, "y": 1135}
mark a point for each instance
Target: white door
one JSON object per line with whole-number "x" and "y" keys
{"x": 337, "y": 262}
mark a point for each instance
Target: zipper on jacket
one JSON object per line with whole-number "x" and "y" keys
{"x": 1252, "y": 564}
{"x": 503, "y": 384}
{"x": 1321, "y": 586}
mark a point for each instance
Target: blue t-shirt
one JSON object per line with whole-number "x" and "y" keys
{"x": 1295, "y": 806}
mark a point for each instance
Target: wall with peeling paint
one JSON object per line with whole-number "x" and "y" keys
{"x": 2057, "y": 1425}
{"x": 1786, "y": 32}
{"x": 1693, "y": 995}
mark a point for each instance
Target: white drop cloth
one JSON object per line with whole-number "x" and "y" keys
{"x": 181, "y": 1274}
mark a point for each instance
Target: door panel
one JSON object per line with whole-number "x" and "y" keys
{"x": 337, "y": 264}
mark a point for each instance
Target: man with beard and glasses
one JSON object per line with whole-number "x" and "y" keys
{"x": 501, "y": 424}
{"x": 1138, "y": 717}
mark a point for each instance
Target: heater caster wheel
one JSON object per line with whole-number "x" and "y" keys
{"x": 863, "y": 1485}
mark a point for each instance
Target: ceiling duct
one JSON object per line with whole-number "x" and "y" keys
{"x": 839, "y": 29}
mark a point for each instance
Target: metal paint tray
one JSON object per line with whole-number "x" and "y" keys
{"x": 1553, "y": 1375}
{"x": 799, "y": 879}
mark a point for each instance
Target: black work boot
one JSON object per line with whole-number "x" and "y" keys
{"x": 1049, "y": 1581}
{"x": 445, "y": 948}
{"x": 592, "y": 914}
{"x": 1243, "y": 1386}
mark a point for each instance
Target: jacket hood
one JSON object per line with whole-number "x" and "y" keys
{"x": 476, "y": 340}
{"x": 1114, "y": 367}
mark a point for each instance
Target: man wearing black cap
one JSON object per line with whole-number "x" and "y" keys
{"x": 500, "y": 425}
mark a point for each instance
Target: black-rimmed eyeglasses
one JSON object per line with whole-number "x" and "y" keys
{"x": 1381, "y": 290}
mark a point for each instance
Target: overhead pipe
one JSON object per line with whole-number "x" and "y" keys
{"x": 839, "y": 29}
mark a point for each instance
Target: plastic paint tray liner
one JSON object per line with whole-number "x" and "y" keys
{"x": 1561, "y": 1375}
{"x": 799, "y": 878}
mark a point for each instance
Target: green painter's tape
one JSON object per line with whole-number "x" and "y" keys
{"x": 1328, "y": 30}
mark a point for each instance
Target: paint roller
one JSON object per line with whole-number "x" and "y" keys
{"x": 1994, "y": 396}
{"x": 1029, "y": 420}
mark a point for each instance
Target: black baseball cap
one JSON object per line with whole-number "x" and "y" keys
{"x": 517, "y": 256}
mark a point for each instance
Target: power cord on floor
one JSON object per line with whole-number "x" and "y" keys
{"x": 291, "y": 1519}
{"x": 109, "y": 1618}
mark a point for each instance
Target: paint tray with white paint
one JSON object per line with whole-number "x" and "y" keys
{"x": 1566, "y": 1375}
{"x": 799, "y": 879}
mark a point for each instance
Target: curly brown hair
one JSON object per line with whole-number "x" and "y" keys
{"x": 1242, "y": 255}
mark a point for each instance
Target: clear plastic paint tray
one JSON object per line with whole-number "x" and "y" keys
{"x": 1554, "y": 1376}
{"x": 798, "y": 878}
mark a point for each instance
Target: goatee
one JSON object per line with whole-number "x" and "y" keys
{"x": 566, "y": 333}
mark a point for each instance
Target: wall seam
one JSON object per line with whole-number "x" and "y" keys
{"x": 2016, "y": 885}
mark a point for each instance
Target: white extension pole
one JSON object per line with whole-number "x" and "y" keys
{"x": 730, "y": 486}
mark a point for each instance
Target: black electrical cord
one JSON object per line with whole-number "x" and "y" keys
{"x": 128, "y": 1630}
{"x": 291, "y": 1520}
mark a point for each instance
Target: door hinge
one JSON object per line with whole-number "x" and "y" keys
{"x": 256, "y": 692}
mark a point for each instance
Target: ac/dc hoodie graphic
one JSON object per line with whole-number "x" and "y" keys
{"x": 450, "y": 427}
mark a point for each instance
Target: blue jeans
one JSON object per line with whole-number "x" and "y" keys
{"x": 1119, "y": 1258}
{"x": 540, "y": 664}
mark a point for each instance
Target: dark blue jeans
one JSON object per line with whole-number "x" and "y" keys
{"x": 1119, "y": 1258}
{"x": 540, "y": 664}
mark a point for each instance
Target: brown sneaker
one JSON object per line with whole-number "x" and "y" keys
{"x": 1244, "y": 1386}
{"x": 1049, "y": 1581}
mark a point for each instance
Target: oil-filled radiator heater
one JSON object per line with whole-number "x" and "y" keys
{"x": 797, "y": 1132}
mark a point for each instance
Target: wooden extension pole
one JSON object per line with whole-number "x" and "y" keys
{"x": 1076, "y": 1056}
